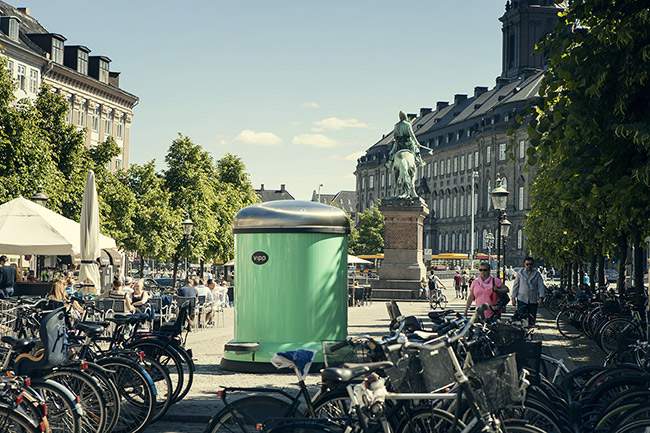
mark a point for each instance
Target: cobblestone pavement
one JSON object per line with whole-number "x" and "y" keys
{"x": 192, "y": 414}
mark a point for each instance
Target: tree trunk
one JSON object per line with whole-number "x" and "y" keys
{"x": 141, "y": 270}
{"x": 592, "y": 272}
{"x": 638, "y": 261}
{"x": 202, "y": 268}
{"x": 175, "y": 271}
{"x": 576, "y": 276}
{"x": 622, "y": 258}
{"x": 602, "y": 282}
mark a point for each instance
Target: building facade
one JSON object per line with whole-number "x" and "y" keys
{"x": 36, "y": 56}
{"x": 273, "y": 194}
{"x": 344, "y": 200}
{"x": 475, "y": 140}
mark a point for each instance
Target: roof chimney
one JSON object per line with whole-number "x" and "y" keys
{"x": 24, "y": 11}
{"x": 441, "y": 104}
{"x": 411, "y": 116}
{"x": 262, "y": 187}
{"x": 282, "y": 187}
{"x": 460, "y": 97}
{"x": 479, "y": 90}
{"x": 424, "y": 111}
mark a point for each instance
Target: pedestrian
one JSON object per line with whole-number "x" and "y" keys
{"x": 585, "y": 279}
{"x": 424, "y": 288}
{"x": 435, "y": 283}
{"x": 527, "y": 290}
{"x": 485, "y": 289}
{"x": 464, "y": 284}
{"x": 457, "y": 284}
{"x": 7, "y": 278}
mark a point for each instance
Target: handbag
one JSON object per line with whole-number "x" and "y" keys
{"x": 503, "y": 299}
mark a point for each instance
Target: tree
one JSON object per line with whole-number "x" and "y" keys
{"x": 591, "y": 133}
{"x": 156, "y": 226}
{"x": 368, "y": 237}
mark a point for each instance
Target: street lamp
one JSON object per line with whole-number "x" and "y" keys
{"x": 319, "y": 187}
{"x": 188, "y": 225}
{"x": 40, "y": 197}
{"x": 473, "y": 207}
{"x": 499, "y": 196}
{"x": 505, "y": 230}
{"x": 489, "y": 243}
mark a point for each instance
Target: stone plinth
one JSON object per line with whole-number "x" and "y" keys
{"x": 403, "y": 265}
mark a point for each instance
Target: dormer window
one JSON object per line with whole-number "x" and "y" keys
{"x": 10, "y": 27}
{"x": 82, "y": 62}
{"x": 57, "y": 51}
{"x": 103, "y": 71}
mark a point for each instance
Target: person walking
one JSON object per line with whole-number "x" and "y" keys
{"x": 527, "y": 290}
{"x": 464, "y": 284}
{"x": 457, "y": 283}
{"x": 485, "y": 289}
{"x": 435, "y": 283}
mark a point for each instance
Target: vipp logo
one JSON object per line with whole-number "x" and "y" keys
{"x": 260, "y": 257}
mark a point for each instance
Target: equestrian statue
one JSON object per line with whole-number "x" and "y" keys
{"x": 404, "y": 158}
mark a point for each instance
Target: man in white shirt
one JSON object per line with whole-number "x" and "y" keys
{"x": 203, "y": 290}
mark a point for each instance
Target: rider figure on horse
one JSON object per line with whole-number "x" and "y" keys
{"x": 405, "y": 166}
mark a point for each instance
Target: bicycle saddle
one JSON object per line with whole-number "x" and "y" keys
{"x": 90, "y": 328}
{"x": 351, "y": 371}
{"x": 20, "y": 345}
{"x": 439, "y": 315}
{"x": 131, "y": 319}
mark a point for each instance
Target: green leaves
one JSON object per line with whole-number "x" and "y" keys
{"x": 368, "y": 236}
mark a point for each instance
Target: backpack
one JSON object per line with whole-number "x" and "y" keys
{"x": 503, "y": 299}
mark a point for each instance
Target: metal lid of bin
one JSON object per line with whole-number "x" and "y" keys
{"x": 291, "y": 216}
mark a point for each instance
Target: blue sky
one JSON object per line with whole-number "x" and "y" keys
{"x": 296, "y": 88}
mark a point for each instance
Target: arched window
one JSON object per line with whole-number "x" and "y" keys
{"x": 453, "y": 207}
{"x": 488, "y": 196}
{"x": 484, "y": 239}
{"x": 448, "y": 210}
{"x": 446, "y": 242}
{"x": 520, "y": 239}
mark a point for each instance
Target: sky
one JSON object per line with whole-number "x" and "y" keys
{"x": 298, "y": 89}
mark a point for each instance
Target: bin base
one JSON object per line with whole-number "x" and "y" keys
{"x": 262, "y": 367}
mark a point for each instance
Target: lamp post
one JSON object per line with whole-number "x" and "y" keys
{"x": 319, "y": 187}
{"x": 40, "y": 197}
{"x": 499, "y": 196}
{"x": 489, "y": 243}
{"x": 505, "y": 229}
{"x": 473, "y": 207}
{"x": 188, "y": 225}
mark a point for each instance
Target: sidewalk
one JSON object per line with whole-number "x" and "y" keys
{"x": 192, "y": 414}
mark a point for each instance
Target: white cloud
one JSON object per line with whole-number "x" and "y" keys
{"x": 311, "y": 104}
{"x": 261, "y": 138}
{"x": 353, "y": 156}
{"x": 314, "y": 140}
{"x": 336, "y": 123}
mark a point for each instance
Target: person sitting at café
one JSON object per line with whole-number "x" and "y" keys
{"x": 31, "y": 276}
{"x": 140, "y": 296}
{"x": 59, "y": 298}
{"x": 118, "y": 292}
{"x": 188, "y": 290}
{"x": 203, "y": 290}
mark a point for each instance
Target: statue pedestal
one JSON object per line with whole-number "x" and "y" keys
{"x": 403, "y": 265}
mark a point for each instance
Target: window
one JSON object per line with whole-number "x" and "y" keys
{"x": 460, "y": 241}
{"x": 439, "y": 242}
{"x": 95, "y": 119}
{"x": 363, "y": 183}
{"x": 520, "y": 239}
{"x": 57, "y": 51}
{"x": 389, "y": 177}
{"x": 461, "y": 210}
{"x": 469, "y": 133}
{"x": 435, "y": 168}
{"x": 522, "y": 149}
{"x": 33, "y": 80}
{"x": 81, "y": 119}
{"x": 453, "y": 241}
{"x": 10, "y": 66}
{"x": 469, "y": 161}
{"x": 521, "y": 198}
{"x": 371, "y": 182}
{"x": 459, "y": 135}
{"x": 447, "y": 242}
{"x": 434, "y": 205}
{"x": 468, "y": 211}
{"x": 448, "y": 171}
{"x": 429, "y": 170}
{"x": 103, "y": 71}
{"x": 488, "y": 156}
{"x": 383, "y": 180}
{"x": 453, "y": 207}
{"x": 21, "y": 77}
{"x": 13, "y": 29}
{"x": 487, "y": 196}
{"x": 502, "y": 151}
{"x": 448, "y": 209}
{"x": 476, "y": 159}
{"x": 108, "y": 125}
{"x": 82, "y": 62}
{"x": 462, "y": 162}
{"x": 455, "y": 164}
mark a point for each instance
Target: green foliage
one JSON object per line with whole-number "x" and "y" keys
{"x": 590, "y": 132}
{"x": 368, "y": 236}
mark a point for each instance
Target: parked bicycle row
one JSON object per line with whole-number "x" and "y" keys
{"x": 99, "y": 374}
{"x": 617, "y": 323}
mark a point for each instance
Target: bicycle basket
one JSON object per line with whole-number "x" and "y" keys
{"x": 496, "y": 382}
{"x": 351, "y": 353}
{"x": 504, "y": 334}
{"x": 437, "y": 369}
{"x": 529, "y": 356}
{"x": 406, "y": 374}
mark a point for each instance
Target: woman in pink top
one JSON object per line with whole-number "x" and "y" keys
{"x": 484, "y": 290}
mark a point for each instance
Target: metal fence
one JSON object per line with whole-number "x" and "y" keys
{"x": 7, "y": 316}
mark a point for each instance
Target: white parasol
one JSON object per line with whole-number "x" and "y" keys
{"x": 90, "y": 252}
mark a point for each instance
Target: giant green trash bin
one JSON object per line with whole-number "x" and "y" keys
{"x": 290, "y": 281}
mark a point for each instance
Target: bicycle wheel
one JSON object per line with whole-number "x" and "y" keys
{"x": 12, "y": 421}
{"x": 164, "y": 388}
{"x": 243, "y": 416}
{"x": 535, "y": 415}
{"x": 568, "y": 323}
{"x": 63, "y": 414}
{"x": 110, "y": 392}
{"x": 188, "y": 370}
{"x": 166, "y": 356}
{"x": 137, "y": 393}
{"x": 303, "y": 426}
{"x": 427, "y": 420}
{"x": 333, "y": 405}
{"x": 639, "y": 426}
{"x": 443, "y": 301}
{"x": 617, "y": 332}
{"x": 90, "y": 397}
